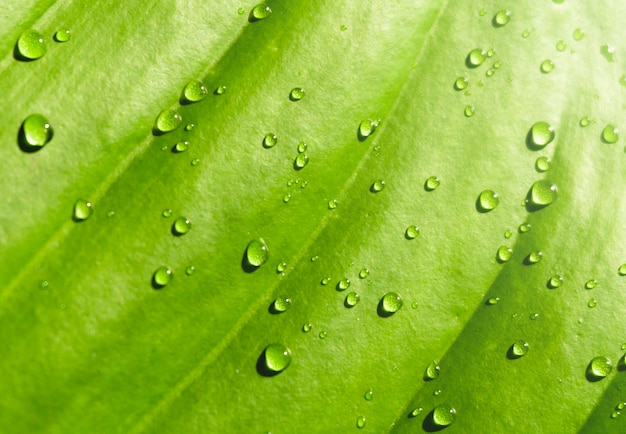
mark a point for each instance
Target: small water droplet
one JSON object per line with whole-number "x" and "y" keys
{"x": 432, "y": 371}
{"x": 111, "y": 214}
{"x": 325, "y": 281}
{"x": 281, "y": 304}
{"x": 62, "y": 35}
{"x": 561, "y": 46}
{"x": 190, "y": 270}
{"x": 469, "y": 111}
{"x": 180, "y": 147}
{"x": 323, "y": 334}
{"x": 304, "y": 184}
{"x": 301, "y": 161}
{"x": 615, "y": 415}
{"x": 161, "y": 277}
{"x": 343, "y": 284}
{"x": 257, "y": 253}
{"x": 622, "y": 270}
{"x": 592, "y": 303}
{"x": 195, "y": 91}
{"x": 377, "y": 186}
{"x": 307, "y": 327}
{"x": 504, "y": 254}
{"x": 542, "y": 164}
{"x": 578, "y": 34}
{"x": 533, "y": 316}
{"x": 411, "y": 232}
{"x": 332, "y": 204}
{"x": 314, "y": 258}
{"x": 555, "y": 281}
{"x": 533, "y": 257}
{"x": 493, "y": 301}
{"x": 343, "y": 28}
{"x": 195, "y": 161}
{"x": 508, "y": 233}
{"x": 524, "y": 227}
{"x": 352, "y": 299}
{"x": 416, "y": 411}
{"x": 82, "y": 210}
{"x": 518, "y": 349}
{"x": 181, "y": 226}
{"x": 620, "y": 406}
{"x": 367, "y": 127}
{"x": 287, "y": 198}
{"x": 547, "y": 66}
{"x": 43, "y": 284}
{"x": 168, "y": 120}
{"x": 599, "y": 368}
{"x": 360, "y": 422}
{"x": 501, "y": 18}
{"x": 443, "y": 415}
{"x": 607, "y": 52}
{"x": 543, "y": 193}
{"x": 31, "y": 45}
{"x": 364, "y": 273}
{"x": 166, "y": 213}
{"x": 525, "y": 34}
{"x": 590, "y": 284}
{"x": 270, "y": 140}
{"x": 475, "y": 58}
{"x": 276, "y": 358}
{"x": 220, "y": 90}
{"x": 369, "y": 395}
{"x": 35, "y": 133}
{"x": 280, "y": 268}
{"x": 260, "y": 12}
{"x": 489, "y": 72}
{"x": 461, "y": 83}
{"x": 296, "y": 94}
{"x": 432, "y": 183}
{"x": 189, "y": 127}
{"x": 414, "y": 305}
{"x": 390, "y": 304}
{"x": 610, "y": 134}
{"x": 584, "y": 121}
{"x": 488, "y": 200}
{"x": 482, "y": 12}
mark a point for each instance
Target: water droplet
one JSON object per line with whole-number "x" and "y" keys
{"x": 377, "y": 186}
{"x": 443, "y": 415}
{"x": 416, "y": 411}
{"x": 524, "y": 227}
{"x": 584, "y": 121}
{"x": 180, "y": 147}
{"x": 35, "y": 133}
{"x": 411, "y": 232}
{"x": 369, "y": 395}
{"x": 270, "y": 140}
{"x": 82, "y": 210}
{"x": 390, "y": 304}
{"x": 469, "y": 111}
{"x": 296, "y": 94}
{"x": 189, "y": 127}
{"x": 31, "y": 45}
{"x": 301, "y": 161}
{"x": 161, "y": 277}
{"x": 220, "y": 90}
{"x": 367, "y": 127}
{"x": 525, "y": 34}
{"x": 110, "y": 213}
{"x": 561, "y": 46}
{"x": 610, "y": 134}
{"x": 620, "y": 406}
{"x": 332, "y": 204}
{"x": 542, "y": 164}
{"x": 607, "y": 52}
{"x": 323, "y": 334}
{"x": 325, "y": 281}
{"x": 307, "y": 327}
{"x": 504, "y": 254}
{"x": 43, "y": 284}
{"x": 314, "y": 258}
{"x": 461, "y": 83}
{"x": 622, "y": 270}
{"x": 414, "y": 305}
{"x": 195, "y": 91}
{"x": 181, "y": 226}
{"x": 168, "y": 120}
{"x": 482, "y": 12}
{"x": 518, "y": 349}
{"x": 352, "y": 299}
{"x": 281, "y": 304}
{"x": 578, "y": 34}
{"x": 599, "y": 368}
{"x": 590, "y": 284}
{"x": 304, "y": 184}
{"x": 62, "y": 35}
{"x": 534, "y": 316}
{"x": 493, "y": 301}
{"x": 508, "y": 233}
{"x": 166, "y": 213}
{"x": 260, "y": 12}
{"x": 475, "y": 58}
{"x": 432, "y": 371}
{"x": 343, "y": 28}
{"x": 501, "y": 18}
{"x": 547, "y": 66}
{"x": 615, "y": 415}
{"x": 488, "y": 200}
{"x": 497, "y": 65}
{"x": 257, "y": 253}
{"x": 489, "y": 72}
{"x": 195, "y": 161}
{"x": 276, "y": 358}
{"x": 280, "y": 268}
{"x": 343, "y": 284}
{"x": 533, "y": 257}
{"x": 364, "y": 273}
{"x": 287, "y": 198}
{"x": 360, "y": 422}
{"x": 555, "y": 281}
{"x": 432, "y": 183}
{"x": 190, "y": 270}
{"x": 543, "y": 193}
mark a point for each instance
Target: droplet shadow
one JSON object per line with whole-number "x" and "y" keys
{"x": 245, "y": 265}
{"x": 510, "y": 354}
{"x": 23, "y": 143}
{"x": 529, "y": 142}
{"x": 590, "y": 376}
{"x": 429, "y": 424}
{"x": 380, "y": 310}
{"x": 481, "y": 209}
{"x": 262, "y": 368}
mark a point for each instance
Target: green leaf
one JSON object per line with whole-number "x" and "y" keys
{"x": 94, "y": 341}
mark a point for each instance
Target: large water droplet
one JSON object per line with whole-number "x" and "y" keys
{"x": 542, "y": 164}
{"x": 487, "y": 201}
{"x": 501, "y": 18}
{"x": 369, "y": 395}
{"x": 82, "y": 210}
{"x": 390, "y": 304}
{"x": 475, "y": 58}
{"x": 161, "y": 277}
{"x": 533, "y": 257}
{"x": 352, "y": 299}
{"x": 360, "y": 422}
{"x": 377, "y": 186}
{"x": 343, "y": 284}
{"x": 281, "y": 304}
{"x": 181, "y": 226}
{"x": 411, "y": 232}
{"x": 195, "y": 91}
{"x": 275, "y": 359}
{"x": 367, "y": 127}
{"x": 62, "y": 35}
{"x": 461, "y": 83}
{"x": 31, "y": 45}
{"x": 555, "y": 281}
{"x": 443, "y": 415}
{"x": 168, "y": 120}
{"x": 257, "y": 253}
{"x": 270, "y": 140}
{"x": 432, "y": 183}
{"x": 518, "y": 349}
{"x": 546, "y": 66}
{"x": 259, "y": 12}
{"x": 504, "y": 254}
{"x": 301, "y": 161}
{"x": 542, "y": 194}
{"x": 610, "y": 134}
{"x": 432, "y": 371}
{"x": 302, "y": 147}
{"x": 35, "y": 133}
{"x": 541, "y": 133}
{"x": 622, "y": 270}
{"x": 296, "y": 94}
{"x": 599, "y": 368}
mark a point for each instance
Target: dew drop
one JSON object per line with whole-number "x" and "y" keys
{"x": 411, "y": 232}
{"x": 35, "y": 132}
{"x": 534, "y": 316}
{"x": 270, "y": 140}
{"x": 189, "y": 127}
{"x": 325, "y": 281}
{"x": 482, "y": 12}
{"x": 488, "y": 200}
{"x": 519, "y": 349}
{"x": 257, "y": 253}
{"x": 443, "y": 415}
{"x": 493, "y": 301}
{"x": 82, "y": 210}
{"x": 561, "y": 46}
{"x": 296, "y": 94}
{"x": 599, "y": 368}
{"x": 432, "y": 371}
{"x": 195, "y": 161}
{"x": 241, "y": 11}
{"x": 534, "y": 257}
{"x": 367, "y": 127}
{"x": 501, "y": 18}
{"x": 364, "y": 273}
{"x": 555, "y": 281}
{"x": 287, "y": 198}
{"x": 332, "y": 204}
{"x": 416, "y": 411}
{"x": 475, "y": 58}
{"x": 584, "y": 121}
{"x": 390, "y": 303}
{"x": 181, "y": 147}
{"x": 497, "y": 65}
{"x": 343, "y": 284}
{"x": 220, "y": 90}
{"x": 489, "y": 72}
{"x": 610, "y": 134}
{"x": 469, "y": 111}
{"x": 547, "y": 66}
{"x": 161, "y": 277}
{"x": 166, "y": 213}
{"x": 590, "y": 284}
{"x": 622, "y": 270}
{"x": 578, "y": 34}
{"x": 377, "y": 186}
{"x": 181, "y": 226}
{"x": 504, "y": 254}
{"x": 360, "y": 422}
{"x": 302, "y": 146}
{"x": 608, "y": 52}
{"x": 301, "y": 161}
{"x": 280, "y": 268}
{"x": 281, "y": 304}
{"x": 31, "y": 45}
{"x": 615, "y": 414}
{"x": 543, "y": 193}
{"x": 461, "y": 83}
{"x": 111, "y": 214}
{"x": 62, "y": 35}
{"x": 369, "y": 395}
{"x": 508, "y": 233}
{"x": 195, "y": 91}
{"x": 314, "y": 258}
{"x": 323, "y": 334}
{"x": 525, "y": 34}
{"x": 260, "y": 12}
{"x": 168, "y": 120}
{"x": 190, "y": 270}
{"x": 542, "y": 164}
{"x": 343, "y": 28}
{"x": 276, "y": 358}
{"x": 43, "y": 284}
{"x": 541, "y": 133}
{"x": 432, "y": 183}
{"x": 591, "y": 303}
{"x": 524, "y": 228}
{"x": 307, "y": 327}
{"x": 352, "y": 299}
{"x": 414, "y": 305}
